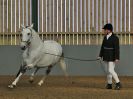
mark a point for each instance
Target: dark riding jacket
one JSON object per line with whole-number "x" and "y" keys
{"x": 110, "y": 48}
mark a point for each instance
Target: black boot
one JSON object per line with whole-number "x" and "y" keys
{"x": 109, "y": 86}
{"x": 118, "y": 86}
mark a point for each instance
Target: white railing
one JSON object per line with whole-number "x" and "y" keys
{"x": 69, "y": 38}
{"x": 83, "y": 19}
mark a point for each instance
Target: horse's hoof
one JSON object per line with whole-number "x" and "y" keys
{"x": 40, "y": 83}
{"x": 73, "y": 82}
{"x": 31, "y": 81}
{"x": 11, "y": 86}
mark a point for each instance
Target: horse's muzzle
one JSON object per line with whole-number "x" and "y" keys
{"x": 23, "y": 47}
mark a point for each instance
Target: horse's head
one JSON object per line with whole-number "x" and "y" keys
{"x": 26, "y": 36}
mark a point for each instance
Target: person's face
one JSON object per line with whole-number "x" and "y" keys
{"x": 106, "y": 31}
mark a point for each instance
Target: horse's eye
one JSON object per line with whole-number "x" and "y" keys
{"x": 28, "y": 34}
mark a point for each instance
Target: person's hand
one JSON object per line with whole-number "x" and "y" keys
{"x": 99, "y": 58}
{"x": 117, "y": 60}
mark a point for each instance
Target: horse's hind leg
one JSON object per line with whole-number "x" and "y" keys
{"x": 33, "y": 74}
{"x": 44, "y": 77}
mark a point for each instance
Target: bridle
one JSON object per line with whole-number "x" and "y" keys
{"x": 28, "y": 42}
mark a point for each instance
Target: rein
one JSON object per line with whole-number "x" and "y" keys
{"x": 72, "y": 58}
{"x": 87, "y": 60}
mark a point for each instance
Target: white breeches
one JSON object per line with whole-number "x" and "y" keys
{"x": 109, "y": 68}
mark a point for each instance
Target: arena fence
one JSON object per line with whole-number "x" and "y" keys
{"x": 83, "y": 38}
{"x": 71, "y": 22}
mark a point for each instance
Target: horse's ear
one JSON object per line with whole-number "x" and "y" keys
{"x": 32, "y": 25}
{"x": 22, "y": 26}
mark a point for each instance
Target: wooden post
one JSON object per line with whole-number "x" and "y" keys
{"x": 35, "y": 14}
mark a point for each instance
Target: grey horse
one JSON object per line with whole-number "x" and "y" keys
{"x": 38, "y": 54}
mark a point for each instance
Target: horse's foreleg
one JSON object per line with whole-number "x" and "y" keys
{"x": 33, "y": 62}
{"x": 32, "y": 75}
{"x": 44, "y": 77}
{"x": 19, "y": 74}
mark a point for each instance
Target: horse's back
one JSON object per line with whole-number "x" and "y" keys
{"x": 52, "y": 50}
{"x": 52, "y": 46}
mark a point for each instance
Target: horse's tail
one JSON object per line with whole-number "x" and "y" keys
{"x": 63, "y": 65}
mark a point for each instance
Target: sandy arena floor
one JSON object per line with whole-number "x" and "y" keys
{"x": 59, "y": 87}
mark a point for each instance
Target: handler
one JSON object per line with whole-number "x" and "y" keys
{"x": 109, "y": 53}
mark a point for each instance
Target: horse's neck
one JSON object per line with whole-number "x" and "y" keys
{"x": 36, "y": 41}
